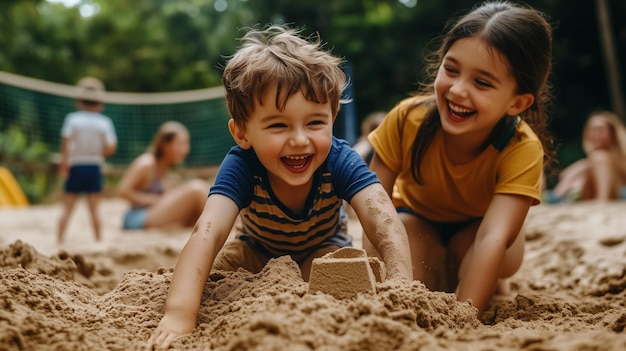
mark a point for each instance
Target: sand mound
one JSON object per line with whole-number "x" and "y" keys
{"x": 45, "y": 308}
{"x": 569, "y": 295}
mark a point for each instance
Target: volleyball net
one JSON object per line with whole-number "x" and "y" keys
{"x": 39, "y": 108}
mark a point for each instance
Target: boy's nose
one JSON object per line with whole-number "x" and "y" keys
{"x": 298, "y": 138}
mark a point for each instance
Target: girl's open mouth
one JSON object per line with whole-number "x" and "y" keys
{"x": 459, "y": 113}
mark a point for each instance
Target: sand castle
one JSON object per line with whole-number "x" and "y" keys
{"x": 346, "y": 272}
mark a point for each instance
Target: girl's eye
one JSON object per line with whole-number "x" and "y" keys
{"x": 484, "y": 83}
{"x": 317, "y": 123}
{"x": 450, "y": 69}
{"x": 277, "y": 125}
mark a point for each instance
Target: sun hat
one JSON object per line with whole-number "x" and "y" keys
{"x": 90, "y": 89}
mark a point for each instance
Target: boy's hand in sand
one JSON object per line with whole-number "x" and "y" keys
{"x": 171, "y": 326}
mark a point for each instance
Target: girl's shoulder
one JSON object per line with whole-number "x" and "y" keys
{"x": 140, "y": 170}
{"x": 143, "y": 162}
{"x": 417, "y": 101}
{"x": 412, "y": 109}
{"x": 525, "y": 132}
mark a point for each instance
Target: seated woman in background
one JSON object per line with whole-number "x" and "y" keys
{"x": 602, "y": 174}
{"x": 152, "y": 203}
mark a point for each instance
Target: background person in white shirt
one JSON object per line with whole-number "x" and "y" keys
{"x": 88, "y": 138}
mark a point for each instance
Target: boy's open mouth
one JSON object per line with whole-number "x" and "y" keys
{"x": 297, "y": 162}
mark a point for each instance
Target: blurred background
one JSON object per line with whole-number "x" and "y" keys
{"x": 156, "y": 46}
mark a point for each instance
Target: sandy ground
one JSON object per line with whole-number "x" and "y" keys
{"x": 568, "y": 295}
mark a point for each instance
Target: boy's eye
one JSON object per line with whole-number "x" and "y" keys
{"x": 317, "y": 122}
{"x": 277, "y": 125}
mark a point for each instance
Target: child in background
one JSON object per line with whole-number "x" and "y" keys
{"x": 153, "y": 203}
{"x": 88, "y": 137}
{"x": 602, "y": 174}
{"x": 286, "y": 178}
{"x": 363, "y": 146}
{"x": 463, "y": 159}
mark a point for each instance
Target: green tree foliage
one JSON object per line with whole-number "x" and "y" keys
{"x": 168, "y": 45}
{"x": 140, "y": 46}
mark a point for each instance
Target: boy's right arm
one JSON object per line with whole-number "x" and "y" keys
{"x": 381, "y": 224}
{"x": 193, "y": 268}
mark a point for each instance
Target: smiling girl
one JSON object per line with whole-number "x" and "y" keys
{"x": 463, "y": 159}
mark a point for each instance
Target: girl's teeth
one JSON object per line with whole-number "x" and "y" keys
{"x": 460, "y": 109}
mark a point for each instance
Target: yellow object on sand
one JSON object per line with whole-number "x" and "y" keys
{"x": 10, "y": 192}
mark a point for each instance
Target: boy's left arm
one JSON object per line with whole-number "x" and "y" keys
{"x": 63, "y": 164}
{"x": 482, "y": 265}
{"x": 110, "y": 144}
{"x": 384, "y": 229}
{"x": 109, "y": 150}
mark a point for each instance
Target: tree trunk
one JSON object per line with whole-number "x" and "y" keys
{"x": 610, "y": 58}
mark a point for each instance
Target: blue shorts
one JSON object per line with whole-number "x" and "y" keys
{"x": 84, "y": 179}
{"x": 445, "y": 230}
{"x": 135, "y": 218}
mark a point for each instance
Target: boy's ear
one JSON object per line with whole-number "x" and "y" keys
{"x": 521, "y": 103}
{"x": 238, "y": 134}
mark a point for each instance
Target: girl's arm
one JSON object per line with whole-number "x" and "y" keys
{"x": 571, "y": 177}
{"x": 386, "y": 176}
{"x": 484, "y": 262}
{"x": 138, "y": 175}
{"x": 193, "y": 268}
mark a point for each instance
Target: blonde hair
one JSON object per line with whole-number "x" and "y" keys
{"x": 280, "y": 56}
{"x": 617, "y": 129}
{"x": 164, "y": 135}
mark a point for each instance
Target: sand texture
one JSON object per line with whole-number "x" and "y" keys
{"x": 568, "y": 295}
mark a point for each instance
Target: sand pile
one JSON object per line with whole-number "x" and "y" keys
{"x": 45, "y": 308}
{"x": 569, "y": 295}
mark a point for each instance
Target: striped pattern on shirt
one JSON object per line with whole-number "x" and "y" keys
{"x": 279, "y": 233}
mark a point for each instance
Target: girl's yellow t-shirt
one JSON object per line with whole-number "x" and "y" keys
{"x": 455, "y": 193}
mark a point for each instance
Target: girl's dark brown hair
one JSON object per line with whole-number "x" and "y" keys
{"x": 524, "y": 37}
